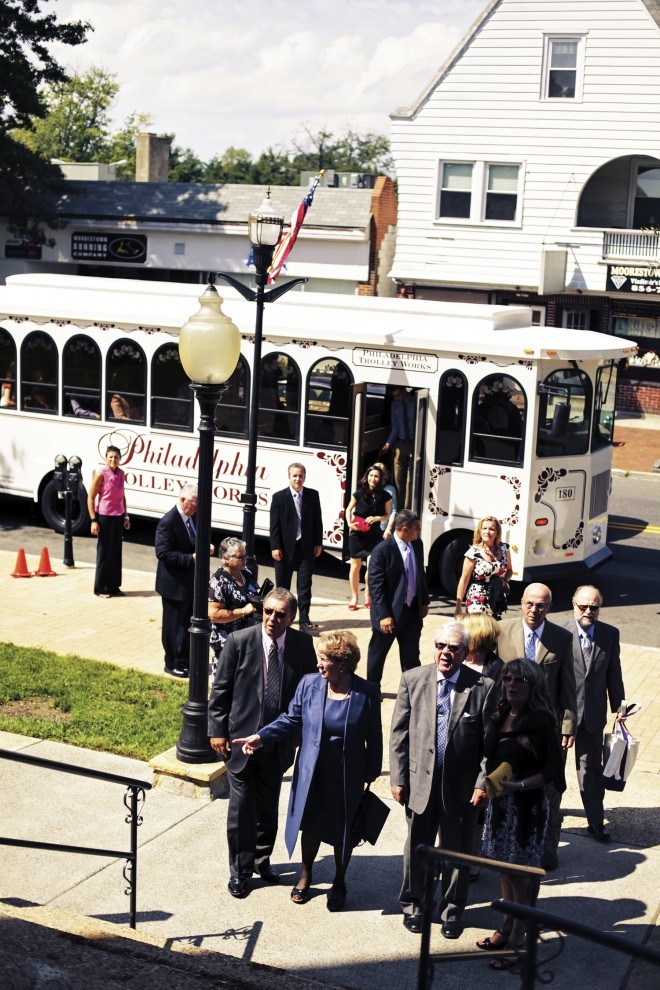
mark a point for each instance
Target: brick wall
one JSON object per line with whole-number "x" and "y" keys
{"x": 633, "y": 397}
{"x": 384, "y": 211}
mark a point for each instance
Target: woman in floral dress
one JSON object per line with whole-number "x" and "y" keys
{"x": 486, "y": 559}
{"x": 230, "y": 587}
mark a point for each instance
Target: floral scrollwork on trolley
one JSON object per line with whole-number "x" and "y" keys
{"x": 433, "y": 508}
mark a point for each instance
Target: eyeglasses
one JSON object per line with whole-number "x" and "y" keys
{"x": 513, "y": 679}
{"x": 276, "y": 613}
{"x": 452, "y": 647}
{"x": 583, "y": 608}
{"x": 535, "y": 605}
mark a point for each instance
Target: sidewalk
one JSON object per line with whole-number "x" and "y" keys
{"x": 182, "y": 896}
{"x": 636, "y": 443}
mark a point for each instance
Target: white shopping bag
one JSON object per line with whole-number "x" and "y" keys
{"x": 620, "y": 750}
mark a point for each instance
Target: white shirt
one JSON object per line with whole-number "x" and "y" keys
{"x": 527, "y": 633}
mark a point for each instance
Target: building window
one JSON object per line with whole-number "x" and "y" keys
{"x": 479, "y": 192}
{"x": 562, "y": 77}
{"x": 647, "y": 197}
{"x": 576, "y": 319}
{"x": 456, "y": 190}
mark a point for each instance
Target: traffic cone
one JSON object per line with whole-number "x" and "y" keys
{"x": 21, "y": 566}
{"x": 44, "y": 569}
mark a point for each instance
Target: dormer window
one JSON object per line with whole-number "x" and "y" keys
{"x": 563, "y": 63}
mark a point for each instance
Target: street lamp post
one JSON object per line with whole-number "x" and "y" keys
{"x": 209, "y": 347}
{"x": 264, "y": 229}
{"x": 67, "y": 477}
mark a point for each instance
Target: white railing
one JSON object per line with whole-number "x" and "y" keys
{"x": 640, "y": 244}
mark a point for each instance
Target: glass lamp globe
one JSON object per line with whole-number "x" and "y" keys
{"x": 209, "y": 343}
{"x": 265, "y": 226}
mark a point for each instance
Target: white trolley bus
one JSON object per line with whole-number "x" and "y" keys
{"x": 513, "y": 420}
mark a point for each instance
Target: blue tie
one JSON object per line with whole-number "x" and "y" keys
{"x": 444, "y": 711}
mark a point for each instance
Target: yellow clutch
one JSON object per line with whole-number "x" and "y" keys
{"x": 495, "y": 780}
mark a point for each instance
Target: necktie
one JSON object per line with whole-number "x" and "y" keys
{"x": 444, "y": 711}
{"x": 191, "y": 530}
{"x": 586, "y": 649}
{"x": 530, "y": 648}
{"x": 410, "y": 576}
{"x": 298, "y": 505}
{"x": 272, "y": 692}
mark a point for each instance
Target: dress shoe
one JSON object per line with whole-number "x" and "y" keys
{"x": 549, "y": 862}
{"x": 451, "y": 929}
{"x": 267, "y": 873}
{"x": 307, "y": 625}
{"x": 413, "y": 922}
{"x": 237, "y": 887}
{"x": 336, "y": 898}
{"x": 599, "y": 833}
{"x": 175, "y": 671}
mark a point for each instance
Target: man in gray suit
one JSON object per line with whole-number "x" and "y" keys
{"x": 549, "y": 645}
{"x": 440, "y": 723}
{"x": 597, "y": 662}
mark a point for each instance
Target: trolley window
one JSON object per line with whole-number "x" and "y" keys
{"x": 81, "y": 378}
{"x": 231, "y": 413}
{"x": 171, "y": 398}
{"x": 452, "y": 407}
{"x": 39, "y": 379}
{"x": 126, "y": 374}
{"x": 7, "y": 370}
{"x": 604, "y": 409}
{"x": 499, "y": 410}
{"x": 328, "y": 401}
{"x": 279, "y": 407}
{"x": 564, "y": 414}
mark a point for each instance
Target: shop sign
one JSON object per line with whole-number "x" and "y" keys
{"x": 633, "y": 278}
{"x": 125, "y": 248}
{"x": 16, "y": 248}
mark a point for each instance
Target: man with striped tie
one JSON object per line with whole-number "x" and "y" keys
{"x": 255, "y": 682}
{"x": 550, "y": 646}
{"x": 175, "y": 578}
{"x": 597, "y": 664}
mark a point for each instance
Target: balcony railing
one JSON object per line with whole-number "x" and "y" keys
{"x": 638, "y": 244}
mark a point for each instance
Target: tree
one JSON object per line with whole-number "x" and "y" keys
{"x": 185, "y": 166}
{"x": 26, "y": 64}
{"x": 76, "y": 125}
{"x": 350, "y": 152}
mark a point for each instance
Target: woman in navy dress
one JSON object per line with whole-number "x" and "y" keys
{"x": 372, "y": 505}
{"x": 341, "y": 751}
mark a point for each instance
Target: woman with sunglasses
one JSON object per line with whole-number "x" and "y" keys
{"x": 516, "y": 820}
{"x": 230, "y": 608}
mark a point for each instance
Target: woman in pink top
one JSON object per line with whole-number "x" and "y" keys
{"x": 107, "y": 510}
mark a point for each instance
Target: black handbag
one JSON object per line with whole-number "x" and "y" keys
{"x": 370, "y": 818}
{"x": 497, "y": 596}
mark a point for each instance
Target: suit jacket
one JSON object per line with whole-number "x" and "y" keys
{"x": 363, "y": 746}
{"x": 413, "y": 737}
{"x": 175, "y": 575}
{"x": 284, "y": 522}
{"x": 387, "y": 581}
{"x": 237, "y": 694}
{"x": 555, "y": 657}
{"x": 602, "y": 679}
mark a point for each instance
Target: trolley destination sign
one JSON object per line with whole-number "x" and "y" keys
{"x": 368, "y": 357}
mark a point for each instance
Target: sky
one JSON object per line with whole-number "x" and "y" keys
{"x": 255, "y": 74}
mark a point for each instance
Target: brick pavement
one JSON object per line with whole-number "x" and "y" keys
{"x": 636, "y": 444}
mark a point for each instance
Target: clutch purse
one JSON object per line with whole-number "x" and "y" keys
{"x": 495, "y": 780}
{"x": 370, "y": 818}
{"x": 361, "y": 524}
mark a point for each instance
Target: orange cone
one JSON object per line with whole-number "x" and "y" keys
{"x": 21, "y": 566}
{"x": 44, "y": 569}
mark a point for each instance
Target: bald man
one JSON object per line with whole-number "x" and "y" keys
{"x": 548, "y": 644}
{"x": 597, "y": 665}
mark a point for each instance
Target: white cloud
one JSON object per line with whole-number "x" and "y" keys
{"x": 249, "y": 74}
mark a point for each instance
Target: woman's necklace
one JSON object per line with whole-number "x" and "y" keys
{"x": 336, "y": 694}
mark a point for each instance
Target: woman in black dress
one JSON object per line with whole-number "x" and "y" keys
{"x": 341, "y": 751}
{"x": 230, "y": 587}
{"x": 370, "y": 506}
{"x": 516, "y": 820}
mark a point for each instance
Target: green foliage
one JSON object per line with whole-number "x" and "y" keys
{"x": 123, "y": 143}
{"x": 87, "y": 703}
{"x": 26, "y": 65}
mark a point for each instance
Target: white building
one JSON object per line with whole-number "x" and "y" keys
{"x": 530, "y": 165}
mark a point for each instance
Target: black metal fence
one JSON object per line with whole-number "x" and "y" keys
{"x": 133, "y": 801}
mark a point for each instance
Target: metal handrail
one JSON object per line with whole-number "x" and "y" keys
{"x": 133, "y": 800}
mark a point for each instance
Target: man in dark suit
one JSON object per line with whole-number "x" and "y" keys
{"x": 296, "y": 537}
{"x": 439, "y": 729}
{"x": 175, "y": 577}
{"x": 403, "y": 413}
{"x": 549, "y": 645}
{"x": 256, "y": 679}
{"x": 597, "y": 663}
{"x": 399, "y": 596}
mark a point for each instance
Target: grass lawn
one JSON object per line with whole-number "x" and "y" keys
{"x": 88, "y": 703}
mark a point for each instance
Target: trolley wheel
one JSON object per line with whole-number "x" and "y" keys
{"x": 451, "y": 562}
{"x": 52, "y": 509}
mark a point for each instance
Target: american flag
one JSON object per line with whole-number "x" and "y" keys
{"x": 288, "y": 238}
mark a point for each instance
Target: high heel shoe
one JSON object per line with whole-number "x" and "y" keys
{"x": 336, "y": 897}
{"x": 367, "y": 604}
{"x": 353, "y": 607}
